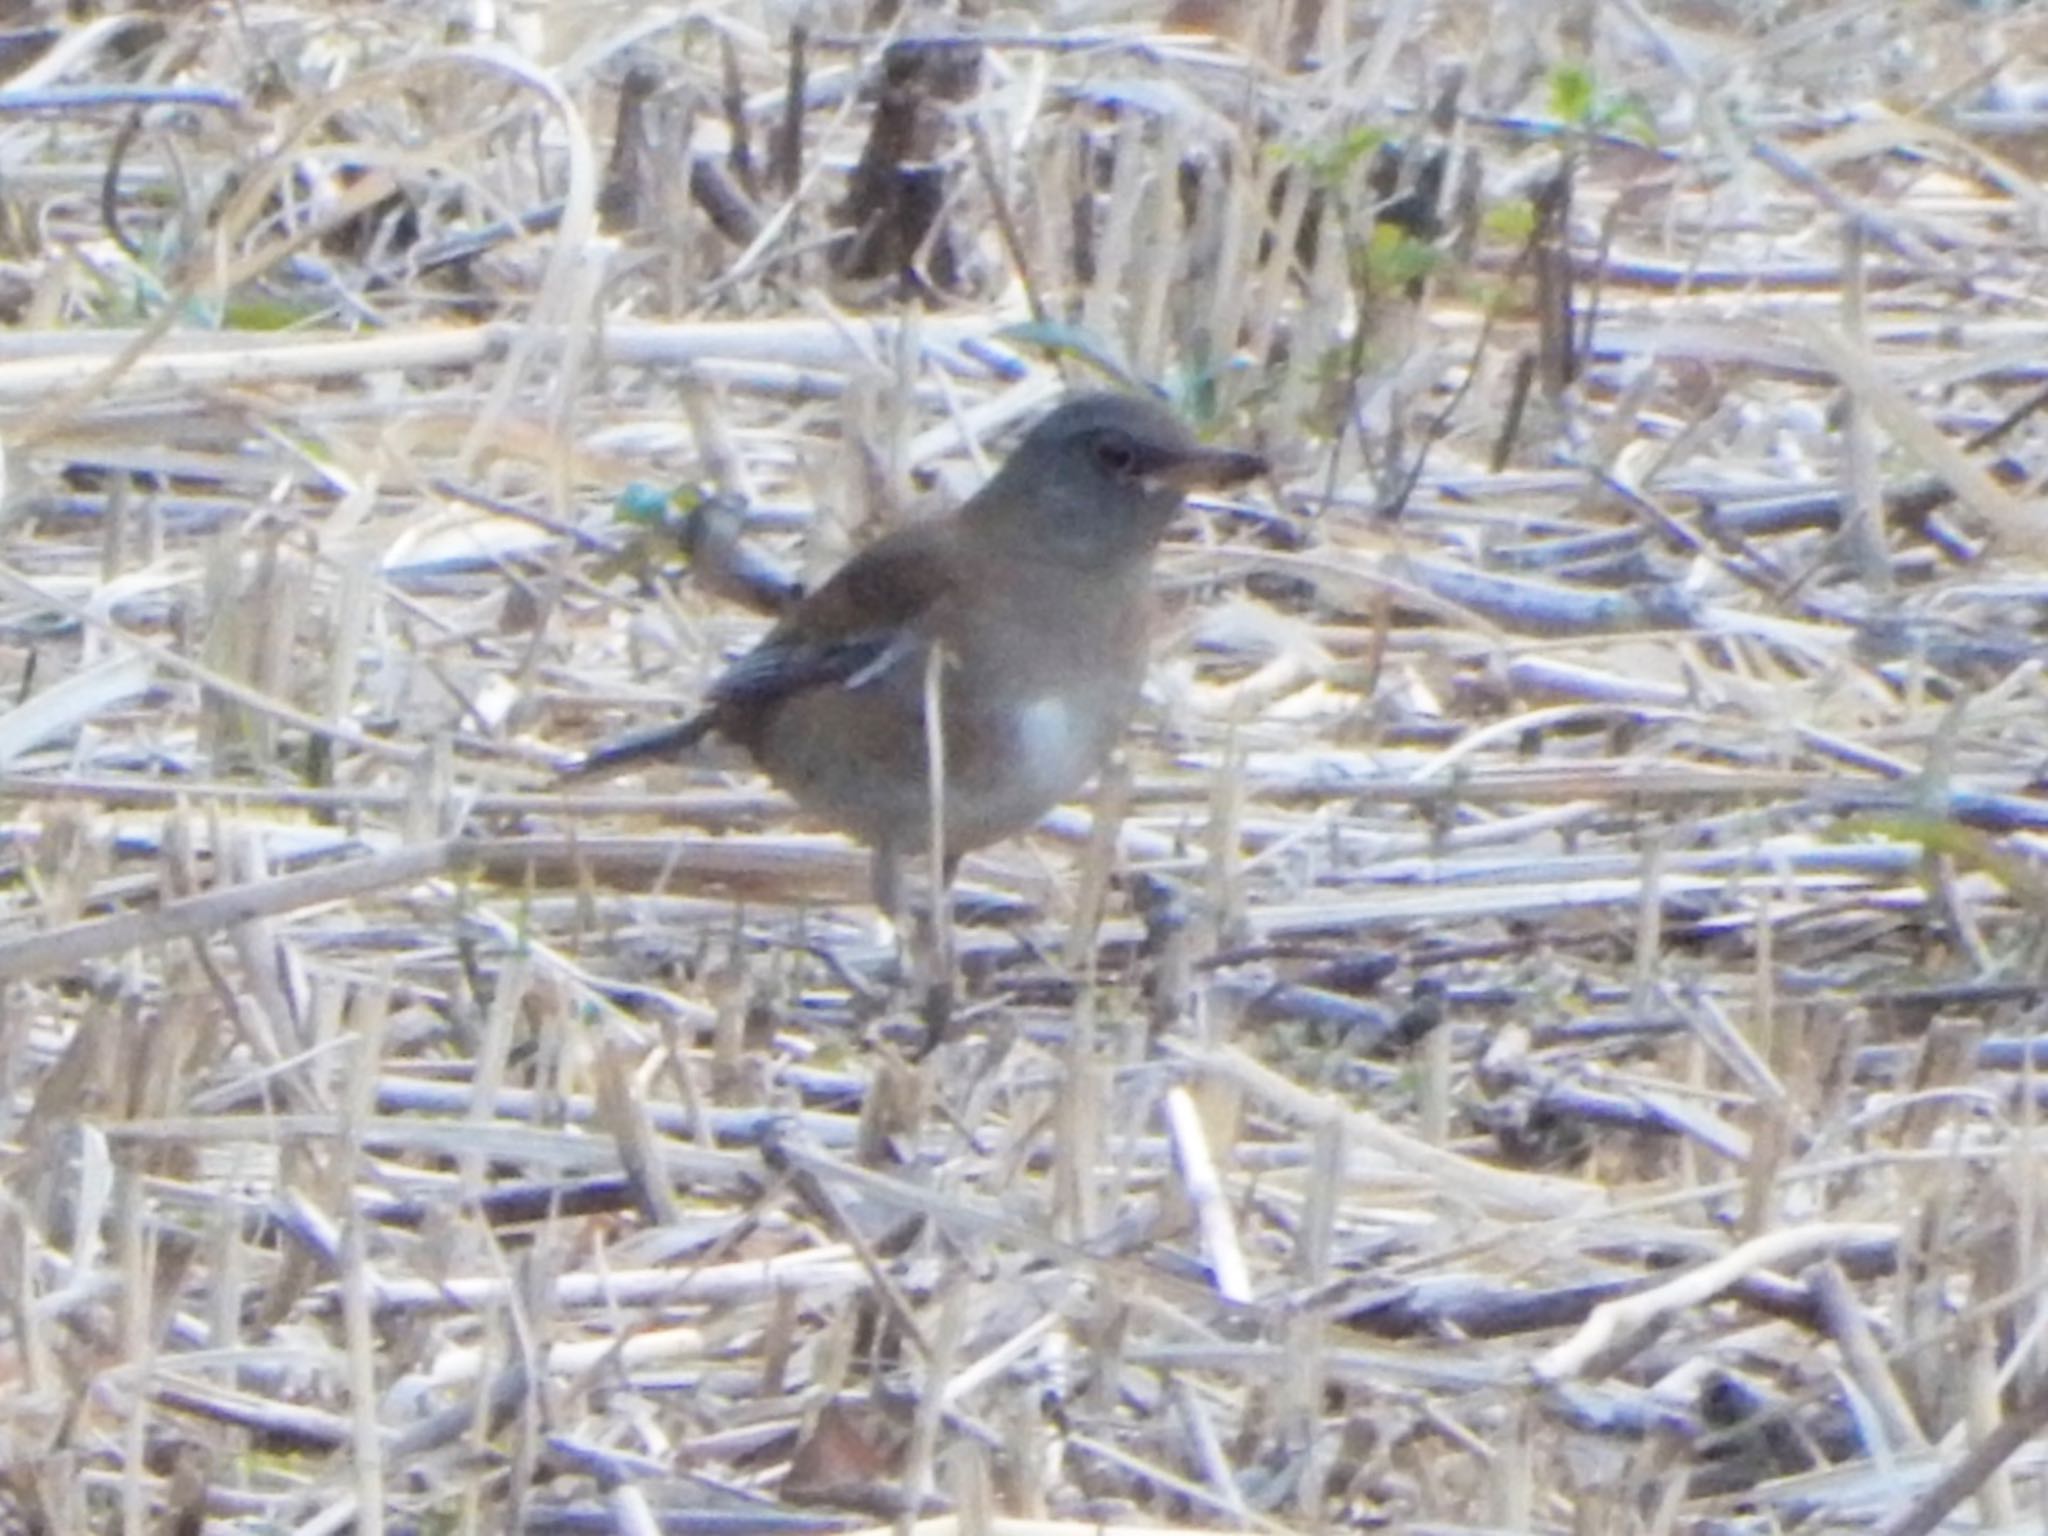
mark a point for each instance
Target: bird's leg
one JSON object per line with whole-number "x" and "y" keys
{"x": 885, "y": 882}
{"x": 922, "y": 936}
{"x": 936, "y": 995}
{"x": 877, "y": 995}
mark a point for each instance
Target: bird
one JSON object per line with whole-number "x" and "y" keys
{"x": 1035, "y": 593}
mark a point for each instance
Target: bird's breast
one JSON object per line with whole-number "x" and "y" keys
{"x": 1056, "y": 749}
{"x": 1016, "y": 762}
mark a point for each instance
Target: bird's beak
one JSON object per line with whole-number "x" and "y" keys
{"x": 1210, "y": 468}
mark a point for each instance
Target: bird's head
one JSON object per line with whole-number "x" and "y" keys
{"x": 1100, "y": 478}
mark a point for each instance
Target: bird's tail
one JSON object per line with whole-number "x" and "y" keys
{"x": 656, "y": 742}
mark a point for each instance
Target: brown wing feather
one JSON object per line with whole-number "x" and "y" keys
{"x": 874, "y": 605}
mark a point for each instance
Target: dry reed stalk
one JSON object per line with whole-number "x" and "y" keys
{"x": 1639, "y": 775}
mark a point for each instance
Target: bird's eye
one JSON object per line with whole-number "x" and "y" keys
{"x": 1117, "y": 455}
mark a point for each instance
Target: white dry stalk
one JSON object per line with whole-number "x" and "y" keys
{"x": 1203, "y": 1186}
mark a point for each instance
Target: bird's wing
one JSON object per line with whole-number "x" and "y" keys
{"x": 858, "y": 626}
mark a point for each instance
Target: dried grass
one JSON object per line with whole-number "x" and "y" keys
{"x": 1554, "y": 1043}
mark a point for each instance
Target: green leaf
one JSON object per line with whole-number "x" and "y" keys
{"x": 1331, "y": 162}
{"x": 1631, "y": 117}
{"x": 1513, "y": 221}
{"x": 1572, "y": 94}
{"x": 263, "y": 313}
{"x": 1393, "y": 258}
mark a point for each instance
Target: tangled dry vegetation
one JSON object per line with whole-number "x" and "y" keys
{"x": 1550, "y": 1044}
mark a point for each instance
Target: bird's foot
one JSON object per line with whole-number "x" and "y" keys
{"x": 936, "y": 1009}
